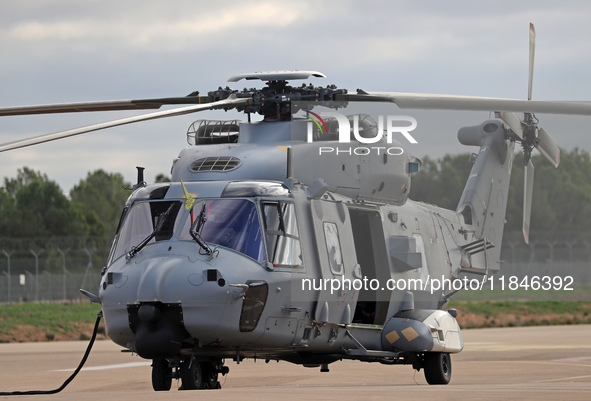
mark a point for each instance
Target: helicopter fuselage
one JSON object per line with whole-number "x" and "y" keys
{"x": 251, "y": 252}
{"x": 266, "y": 291}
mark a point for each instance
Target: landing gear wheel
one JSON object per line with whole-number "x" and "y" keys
{"x": 437, "y": 367}
{"x": 210, "y": 375}
{"x": 192, "y": 375}
{"x": 161, "y": 375}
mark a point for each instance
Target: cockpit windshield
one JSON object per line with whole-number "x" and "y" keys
{"x": 232, "y": 223}
{"x": 156, "y": 219}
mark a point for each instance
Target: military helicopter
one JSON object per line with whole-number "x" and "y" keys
{"x": 268, "y": 244}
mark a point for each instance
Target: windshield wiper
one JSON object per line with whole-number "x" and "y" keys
{"x": 196, "y": 229}
{"x": 161, "y": 220}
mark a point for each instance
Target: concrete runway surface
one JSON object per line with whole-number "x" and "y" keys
{"x": 542, "y": 363}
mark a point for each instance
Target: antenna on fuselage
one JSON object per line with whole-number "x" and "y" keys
{"x": 140, "y": 178}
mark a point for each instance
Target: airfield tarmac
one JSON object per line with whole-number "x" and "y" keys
{"x": 542, "y": 363}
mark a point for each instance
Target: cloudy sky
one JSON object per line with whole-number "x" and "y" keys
{"x": 55, "y": 51}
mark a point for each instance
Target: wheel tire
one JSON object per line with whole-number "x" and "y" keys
{"x": 192, "y": 375}
{"x": 161, "y": 375}
{"x": 437, "y": 367}
{"x": 210, "y": 375}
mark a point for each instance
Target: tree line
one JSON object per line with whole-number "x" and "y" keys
{"x": 33, "y": 205}
{"x": 561, "y": 196}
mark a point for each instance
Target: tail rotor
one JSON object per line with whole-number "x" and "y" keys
{"x": 527, "y": 133}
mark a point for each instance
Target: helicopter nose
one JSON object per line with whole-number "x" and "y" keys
{"x": 167, "y": 302}
{"x": 157, "y": 318}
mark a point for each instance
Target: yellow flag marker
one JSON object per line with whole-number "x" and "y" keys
{"x": 189, "y": 197}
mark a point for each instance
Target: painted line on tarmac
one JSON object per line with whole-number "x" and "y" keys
{"x": 563, "y": 379}
{"x": 576, "y": 359}
{"x": 482, "y": 343}
{"x": 107, "y": 367}
{"x": 517, "y": 347}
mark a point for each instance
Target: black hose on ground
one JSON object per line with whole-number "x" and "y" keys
{"x": 73, "y": 375}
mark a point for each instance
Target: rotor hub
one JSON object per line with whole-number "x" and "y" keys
{"x": 278, "y": 101}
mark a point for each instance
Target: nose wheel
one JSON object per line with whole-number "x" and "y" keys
{"x": 210, "y": 374}
{"x": 194, "y": 374}
{"x": 202, "y": 375}
{"x": 161, "y": 375}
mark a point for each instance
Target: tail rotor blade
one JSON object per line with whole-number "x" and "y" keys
{"x": 528, "y": 188}
{"x": 548, "y": 148}
{"x": 513, "y": 122}
{"x": 532, "y": 50}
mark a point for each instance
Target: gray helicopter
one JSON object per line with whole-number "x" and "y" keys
{"x": 293, "y": 238}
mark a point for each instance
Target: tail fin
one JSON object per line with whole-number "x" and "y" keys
{"x": 484, "y": 201}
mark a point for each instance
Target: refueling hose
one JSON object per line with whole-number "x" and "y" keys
{"x": 69, "y": 379}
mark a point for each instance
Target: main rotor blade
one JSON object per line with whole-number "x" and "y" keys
{"x": 230, "y": 102}
{"x": 532, "y": 51}
{"x": 548, "y": 148}
{"x": 513, "y": 122}
{"x": 139, "y": 104}
{"x": 469, "y": 103}
{"x": 528, "y": 188}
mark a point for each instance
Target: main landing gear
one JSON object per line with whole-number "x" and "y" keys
{"x": 437, "y": 366}
{"x": 194, "y": 374}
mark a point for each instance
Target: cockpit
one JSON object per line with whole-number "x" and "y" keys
{"x": 263, "y": 229}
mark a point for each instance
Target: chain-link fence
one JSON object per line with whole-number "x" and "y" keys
{"x": 50, "y": 269}
{"x": 547, "y": 247}
{"x": 47, "y": 287}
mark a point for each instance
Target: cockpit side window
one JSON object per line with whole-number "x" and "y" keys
{"x": 281, "y": 233}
